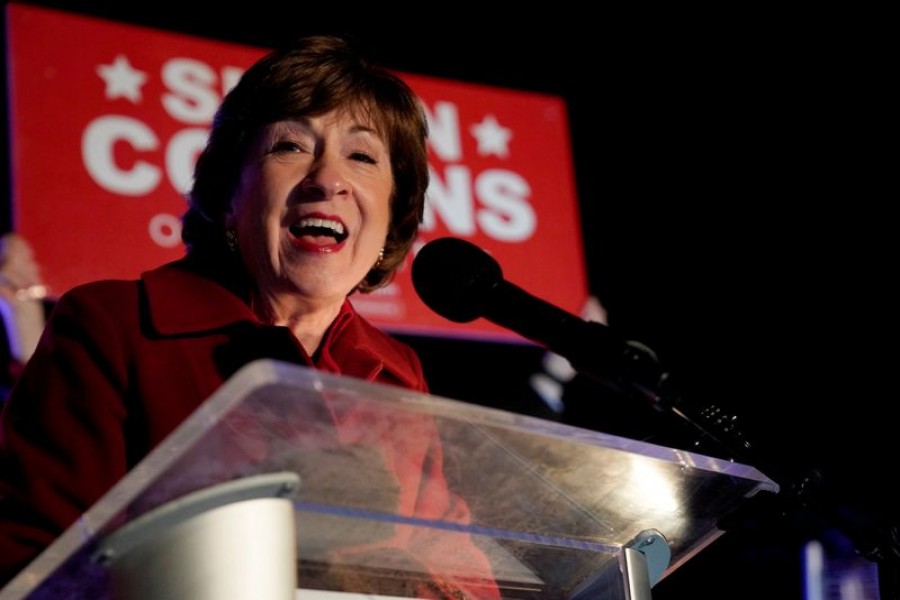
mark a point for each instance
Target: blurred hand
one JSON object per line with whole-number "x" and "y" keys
{"x": 20, "y": 274}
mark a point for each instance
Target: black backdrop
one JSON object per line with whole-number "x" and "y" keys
{"x": 731, "y": 170}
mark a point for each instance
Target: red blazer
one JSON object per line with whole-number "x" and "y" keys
{"x": 122, "y": 363}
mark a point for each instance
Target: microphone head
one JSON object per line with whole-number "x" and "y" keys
{"x": 455, "y": 278}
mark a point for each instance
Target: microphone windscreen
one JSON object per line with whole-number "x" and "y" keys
{"x": 455, "y": 278}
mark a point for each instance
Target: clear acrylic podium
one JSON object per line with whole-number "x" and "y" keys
{"x": 282, "y": 470}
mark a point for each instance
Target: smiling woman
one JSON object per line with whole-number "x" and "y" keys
{"x": 310, "y": 189}
{"x": 310, "y": 216}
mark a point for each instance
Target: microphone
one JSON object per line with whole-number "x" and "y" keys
{"x": 461, "y": 282}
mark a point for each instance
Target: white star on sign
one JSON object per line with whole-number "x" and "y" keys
{"x": 492, "y": 137}
{"x": 122, "y": 80}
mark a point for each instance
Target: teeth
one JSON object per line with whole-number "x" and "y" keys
{"x": 335, "y": 226}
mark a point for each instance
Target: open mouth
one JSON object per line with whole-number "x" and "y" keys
{"x": 318, "y": 228}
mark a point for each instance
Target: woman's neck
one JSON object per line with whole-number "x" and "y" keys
{"x": 309, "y": 321}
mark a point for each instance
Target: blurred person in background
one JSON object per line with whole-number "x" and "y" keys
{"x": 24, "y": 303}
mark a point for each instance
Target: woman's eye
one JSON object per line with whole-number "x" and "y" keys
{"x": 286, "y": 146}
{"x": 363, "y": 157}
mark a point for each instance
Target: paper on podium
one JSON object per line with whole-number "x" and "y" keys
{"x": 551, "y": 506}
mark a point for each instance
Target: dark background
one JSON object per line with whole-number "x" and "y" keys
{"x": 731, "y": 167}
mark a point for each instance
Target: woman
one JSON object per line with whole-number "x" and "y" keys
{"x": 311, "y": 188}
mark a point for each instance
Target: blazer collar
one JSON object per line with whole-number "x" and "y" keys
{"x": 181, "y": 301}
{"x": 184, "y": 301}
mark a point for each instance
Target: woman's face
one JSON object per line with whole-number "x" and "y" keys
{"x": 312, "y": 207}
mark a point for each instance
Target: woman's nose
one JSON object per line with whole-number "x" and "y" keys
{"x": 325, "y": 180}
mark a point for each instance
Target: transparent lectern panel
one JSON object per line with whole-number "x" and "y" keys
{"x": 551, "y": 507}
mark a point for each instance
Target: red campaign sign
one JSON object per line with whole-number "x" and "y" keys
{"x": 107, "y": 119}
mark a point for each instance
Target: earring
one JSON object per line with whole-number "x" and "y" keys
{"x": 231, "y": 239}
{"x": 380, "y": 257}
